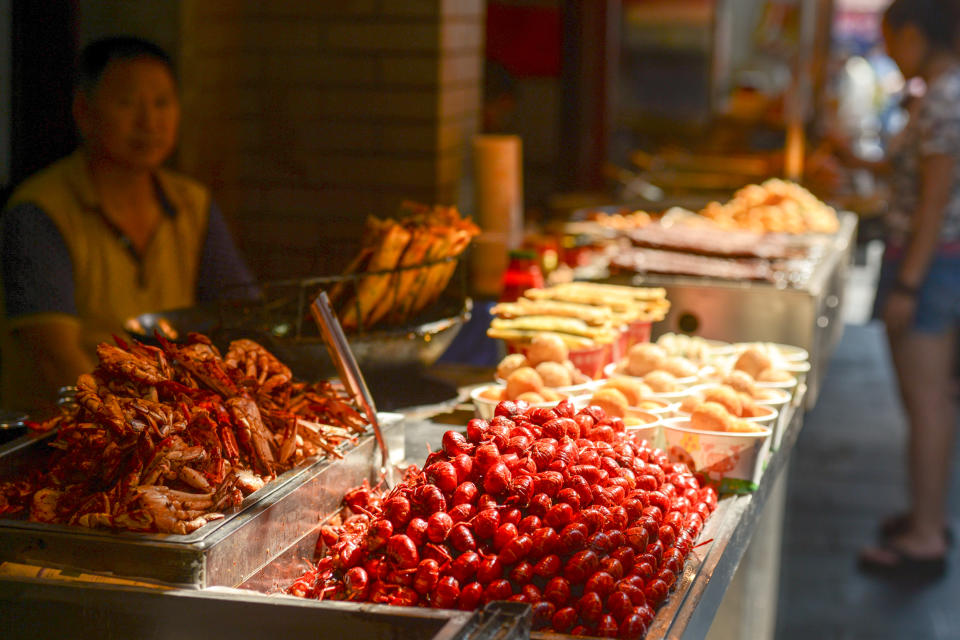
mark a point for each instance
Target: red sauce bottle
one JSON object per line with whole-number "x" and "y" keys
{"x": 523, "y": 272}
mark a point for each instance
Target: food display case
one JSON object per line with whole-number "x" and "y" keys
{"x": 223, "y": 552}
{"x": 125, "y": 610}
{"x": 804, "y": 310}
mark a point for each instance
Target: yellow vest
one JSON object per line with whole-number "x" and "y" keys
{"x": 109, "y": 284}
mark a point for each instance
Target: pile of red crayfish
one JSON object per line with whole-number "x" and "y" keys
{"x": 565, "y": 511}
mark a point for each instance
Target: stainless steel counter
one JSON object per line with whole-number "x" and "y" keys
{"x": 688, "y": 613}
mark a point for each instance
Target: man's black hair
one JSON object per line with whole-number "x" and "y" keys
{"x": 938, "y": 20}
{"x": 97, "y": 56}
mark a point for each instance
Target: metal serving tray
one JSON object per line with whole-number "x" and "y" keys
{"x": 222, "y": 553}
{"x": 806, "y": 313}
{"x": 32, "y": 608}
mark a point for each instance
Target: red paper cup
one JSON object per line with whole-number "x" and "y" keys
{"x": 621, "y": 345}
{"x": 591, "y": 361}
{"x": 638, "y": 331}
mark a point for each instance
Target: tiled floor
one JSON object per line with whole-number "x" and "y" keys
{"x": 846, "y": 474}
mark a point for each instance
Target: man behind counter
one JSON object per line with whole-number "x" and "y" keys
{"x": 106, "y": 234}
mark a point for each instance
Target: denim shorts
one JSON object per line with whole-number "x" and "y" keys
{"x": 938, "y": 301}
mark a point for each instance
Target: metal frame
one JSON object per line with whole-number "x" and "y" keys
{"x": 222, "y": 553}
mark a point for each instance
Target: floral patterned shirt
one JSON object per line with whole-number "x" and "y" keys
{"x": 934, "y": 128}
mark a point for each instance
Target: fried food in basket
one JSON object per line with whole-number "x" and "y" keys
{"x": 422, "y": 235}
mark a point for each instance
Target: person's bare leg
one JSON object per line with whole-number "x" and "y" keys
{"x": 923, "y": 363}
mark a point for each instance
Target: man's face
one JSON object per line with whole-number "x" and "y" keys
{"x": 132, "y": 116}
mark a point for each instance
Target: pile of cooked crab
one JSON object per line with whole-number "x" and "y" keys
{"x": 166, "y": 439}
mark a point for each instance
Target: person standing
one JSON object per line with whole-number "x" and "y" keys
{"x": 919, "y": 291}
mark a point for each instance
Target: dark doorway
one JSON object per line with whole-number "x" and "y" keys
{"x": 43, "y": 46}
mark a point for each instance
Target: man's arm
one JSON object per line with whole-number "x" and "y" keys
{"x": 38, "y": 291}
{"x": 223, "y": 272}
{"x": 54, "y": 343}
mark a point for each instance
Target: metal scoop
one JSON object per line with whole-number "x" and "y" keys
{"x": 339, "y": 349}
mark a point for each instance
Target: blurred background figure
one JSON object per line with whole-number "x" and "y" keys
{"x": 919, "y": 291}
{"x": 106, "y": 233}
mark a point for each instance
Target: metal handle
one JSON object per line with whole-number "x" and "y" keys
{"x": 339, "y": 348}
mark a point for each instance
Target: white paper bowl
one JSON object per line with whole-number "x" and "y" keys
{"x": 787, "y": 352}
{"x": 651, "y": 430}
{"x": 778, "y": 399}
{"x": 718, "y": 454}
{"x": 614, "y": 370}
{"x": 662, "y": 408}
{"x": 767, "y": 419}
{"x": 571, "y": 390}
{"x": 790, "y": 384}
{"x": 770, "y": 412}
{"x": 796, "y": 367}
{"x": 773, "y": 397}
{"x": 485, "y": 408}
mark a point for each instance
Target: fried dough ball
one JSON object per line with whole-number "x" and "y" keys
{"x": 680, "y": 367}
{"x": 741, "y": 381}
{"x": 530, "y": 397}
{"x": 639, "y": 419}
{"x": 612, "y": 401}
{"x": 523, "y": 380}
{"x": 549, "y": 395}
{"x": 554, "y": 374}
{"x": 576, "y": 376}
{"x": 753, "y": 361}
{"x": 651, "y": 405}
{"x": 644, "y": 358}
{"x": 752, "y": 410}
{"x": 632, "y": 390}
{"x": 691, "y": 402}
{"x": 493, "y": 393}
{"x": 546, "y": 347}
{"x": 725, "y": 396}
{"x": 773, "y": 375}
{"x": 510, "y": 364}
{"x": 698, "y": 350}
{"x": 711, "y": 416}
{"x": 738, "y": 425}
{"x": 661, "y": 382}
{"x": 765, "y": 394}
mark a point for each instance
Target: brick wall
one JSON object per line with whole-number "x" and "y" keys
{"x": 305, "y": 117}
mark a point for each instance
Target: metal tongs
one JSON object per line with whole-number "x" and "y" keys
{"x": 356, "y": 386}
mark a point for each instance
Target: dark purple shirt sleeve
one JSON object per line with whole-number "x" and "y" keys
{"x": 36, "y": 264}
{"x": 223, "y": 273}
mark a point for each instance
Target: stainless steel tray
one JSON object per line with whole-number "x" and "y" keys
{"x": 32, "y": 608}
{"x": 224, "y": 552}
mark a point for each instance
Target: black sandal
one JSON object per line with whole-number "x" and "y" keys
{"x": 897, "y": 524}
{"x": 903, "y": 566}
